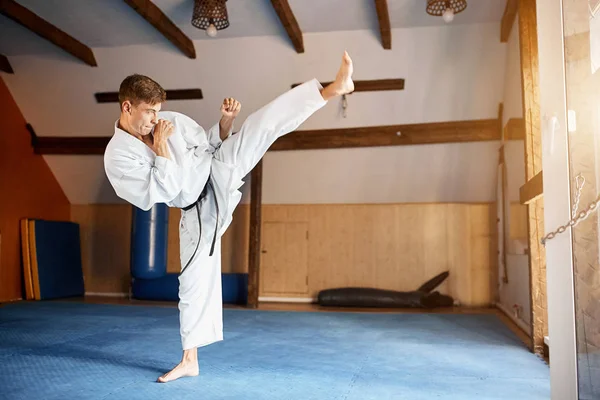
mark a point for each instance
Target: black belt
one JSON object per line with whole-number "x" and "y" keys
{"x": 196, "y": 204}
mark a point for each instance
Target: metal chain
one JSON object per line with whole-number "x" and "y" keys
{"x": 578, "y": 188}
{"x": 577, "y": 218}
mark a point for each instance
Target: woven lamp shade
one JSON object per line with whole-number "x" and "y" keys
{"x": 437, "y": 7}
{"x": 207, "y": 12}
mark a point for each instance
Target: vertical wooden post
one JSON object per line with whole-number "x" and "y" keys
{"x": 255, "y": 229}
{"x": 533, "y": 165}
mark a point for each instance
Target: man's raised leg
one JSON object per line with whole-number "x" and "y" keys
{"x": 281, "y": 116}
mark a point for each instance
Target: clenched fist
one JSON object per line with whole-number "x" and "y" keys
{"x": 158, "y": 143}
{"x": 230, "y": 108}
{"x": 162, "y": 131}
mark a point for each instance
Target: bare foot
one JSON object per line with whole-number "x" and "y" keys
{"x": 343, "y": 80}
{"x": 343, "y": 83}
{"x": 184, "y": 368}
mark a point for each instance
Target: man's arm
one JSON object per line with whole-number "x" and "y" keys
{"x": 141, "y": 182}
{"x": 225, "y": 126}
{"x": 229, "y": 110}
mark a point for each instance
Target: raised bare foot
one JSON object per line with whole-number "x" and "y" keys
{"x": 343, "y": 80}
{"x": 184, "y": 368}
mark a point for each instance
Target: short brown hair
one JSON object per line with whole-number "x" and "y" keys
{"x": 139, "y": 88}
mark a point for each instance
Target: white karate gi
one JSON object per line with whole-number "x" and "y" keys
{"x": 144, "y": 179}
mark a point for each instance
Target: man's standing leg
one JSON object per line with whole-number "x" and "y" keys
{"x": 200, "y": 298}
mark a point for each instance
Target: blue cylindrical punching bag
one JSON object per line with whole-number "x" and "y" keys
{"x": 149, "y": 238}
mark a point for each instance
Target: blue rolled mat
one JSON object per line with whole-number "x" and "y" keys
{"x": 235, "y": 288}
{"x": 149, "y": 242}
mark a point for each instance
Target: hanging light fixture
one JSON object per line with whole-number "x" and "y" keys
{"x": 210, "y": 15}
{"x": 445, "y": 8}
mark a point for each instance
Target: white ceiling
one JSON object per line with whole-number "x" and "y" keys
{"x": 112, "y": 23}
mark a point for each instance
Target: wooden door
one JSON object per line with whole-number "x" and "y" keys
{"x": 284, "y": 259}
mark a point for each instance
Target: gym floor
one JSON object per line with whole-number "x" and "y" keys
{"x": 98, "y": 348}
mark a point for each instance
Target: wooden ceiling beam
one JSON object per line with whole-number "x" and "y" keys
{"x": 372, "y": 85}
{"x": 372, "y": 136}
{"x": 391, "y": 135}
{"x": 151, "y": 13}
{"x": 508, "y": 19}
{"x": 46, "y": 30}
{"x": 383, "y": 17}
{"x": 176, "y": 94}
{"x": 288, "y": 20}
{"x": 5, "y": 65}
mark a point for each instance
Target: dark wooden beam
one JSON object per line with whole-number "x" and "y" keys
{"x": 71, "y": 145}
{"x": 5, "y": 65}
{"x": 372, "y": 85}
{"x": 288, "y": 20}
{"x": 254, "y": 250}
{"x": 151, "y": 13}
{"x": 383, "y": 17}
{"x": 34, "y": 141}
{"x": 392, "y": 135}
{"x": 178, "y": 94}
{"x": 46, "y": 30}
{"x": 372, "y": 136}
{"x": 508, "y": 19}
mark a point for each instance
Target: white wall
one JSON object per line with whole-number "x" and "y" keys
{"x": 452, "y": 73}
{"x": 426, "y": 173}
{"x": 516, "y": 291}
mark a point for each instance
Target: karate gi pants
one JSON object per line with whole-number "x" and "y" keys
{"x": 200, "y": 298}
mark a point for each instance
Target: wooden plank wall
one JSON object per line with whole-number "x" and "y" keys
{"x": 391, "y": 246}
{"x": 387, "y": 246}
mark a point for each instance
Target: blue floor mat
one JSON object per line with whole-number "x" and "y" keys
{"x": 60, "y": 350}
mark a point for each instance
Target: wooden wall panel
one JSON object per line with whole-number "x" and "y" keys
{"x": 105, "y": 245}
{"x": 396, "y": 246}
{"x": 388, "y": 246}
{"x": 106, "y": 240}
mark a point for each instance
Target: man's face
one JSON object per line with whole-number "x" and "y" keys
{"x": 142, "y": 117}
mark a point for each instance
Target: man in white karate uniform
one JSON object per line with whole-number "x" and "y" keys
{"x": 166, "y": 157}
